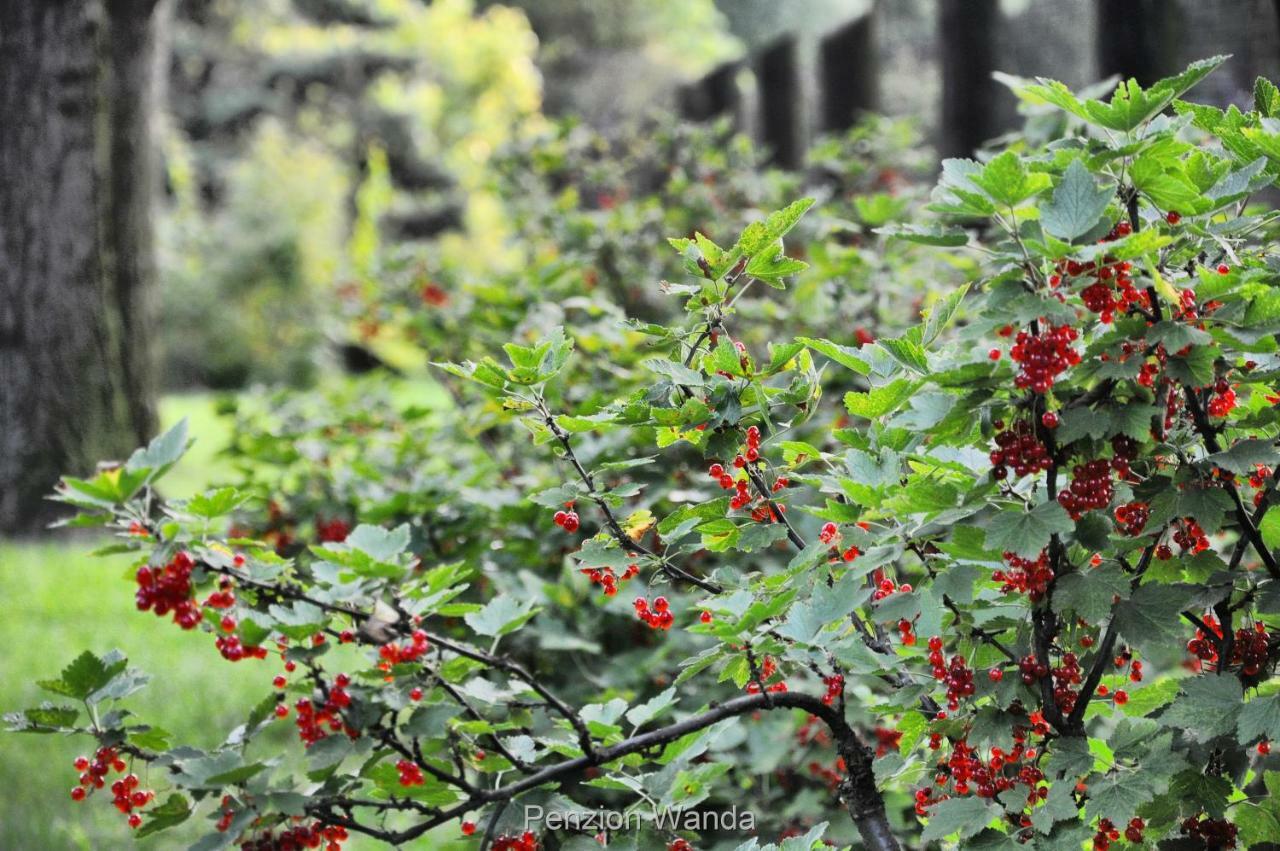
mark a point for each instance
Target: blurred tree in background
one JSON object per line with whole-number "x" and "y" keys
{"x": 77, "y": 84}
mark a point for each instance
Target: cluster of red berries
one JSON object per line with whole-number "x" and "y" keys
{"x": 393, "y": 653}
{"x": 298, "y": 838}
{"x": 224, "y": 597}
{"x": 767, "y": 669}
{"x": 835, "y": 688}
{"x": 315, "y": 723}
{"x": 526, "y": 841}
{"x": 410, "y": 773}
{"x": 1090, "y": 488}
{"x": 168, "y": 589}
{"x": 1203, "y": 645}
{"x": 956, "y": 676}
{"x": 1124, "y": 450}
{"x": 1107, "y": 833}
{"x": 333, "y": 531}
{"x": 1025, "y": 576}
{"x": 679, "y": 844}
{"x": 966, "y": 773}
{"x": 1188, "y": 535}
{"x": 1065, "y": 676}
{"x": 1223, "y": 401}
{"x": 886, "y": 586}
{"x": 1258, "y": 479}
{"x": 1112, "y": 290}
{"x": 1018, "y": 449}
{"x": 887, "y": 739}
{"x": 906, "y": 632}
{"x": 567, "y": 519}
{"x": 126, "y": 796}
{"x": 832, "y": 776}
{"x": 830, "y": 534}
{"x": 608, "y": 580}
{"x": 232, "y": 649}
{"x": 1251, "y": 649}
{"x": 1214, "y": 833}
{"x": 1132, "y": 517}
{"x": 1043, "y": 356}
{"x": 1032, "y": 669}
{"x": 659, "y": 617}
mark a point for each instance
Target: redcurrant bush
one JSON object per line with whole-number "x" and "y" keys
{"x": 936, "y": 596}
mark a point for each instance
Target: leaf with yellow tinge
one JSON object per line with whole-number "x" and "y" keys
{"x": 638, "y": 523}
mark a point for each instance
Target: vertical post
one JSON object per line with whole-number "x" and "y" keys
{"x": 718, "y": 93}
{"x": 849, "y": 73}
{"x": 1137, "y": 38}
{"x": 782, "y": 102}
{"x": 966, "y": 33}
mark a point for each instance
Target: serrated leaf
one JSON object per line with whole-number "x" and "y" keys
{"x": 501, "y": 615}
{"x": 378, "y": 543}
{"x": 880, "y": 400}
{"x": 1026, "y": 533}
{"x": 1116, "y": 797}
{"x": 1260, "y": 719}
{"x": 1078, "y": 203}
{"x": 938, "y": 235}
{"x": 964, "y": 817}
{"x": 175, "y": 810}
{"x": 1148, "y": 620}
{"x": 1089, "y": 593}
{"x": 1207, "y": 707}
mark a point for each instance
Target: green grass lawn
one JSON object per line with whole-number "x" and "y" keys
{"x": 59, "y": 600}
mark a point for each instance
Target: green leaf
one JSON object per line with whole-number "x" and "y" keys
{"x": 378, "y": 543}
{"x": 881, "y": 400}
{"x": 501, "y": 615}
{"x": 162, "y": 452}
{"x": 1260, "y": 719}
{"x": 948, "y": 237}
{"x": 175, "y": 810}
{"x": 906, "y": 352}
{"x": 1026, "y": 533}
{"x": 1089, "y": 593}
{"x": 846, "y": 356}
{"x": 941, "y": 313}
{"x": 46, "y": 718}
{"x": 1266, "y": 98}
{"x": 1078, "y": 203}
{"x": 1149, "y": 619}
{"x": 1208, "y": 706}
{"x": 1117, "y": 797}
{"x": 1244, "y": 456}
{"x": 958, "y": 816}
{"x": 85, "y": 675}
{"x": 759, "y": 236}
{"x": 1006, "y": 180}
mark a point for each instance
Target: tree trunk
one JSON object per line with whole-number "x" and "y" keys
{"x": 967, "y": 33}
{"x": 1138, "y": 39}
{"x": 77, "y": 173}
{"x": 848, "y": 67}
{"x": 782, "y": 102}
